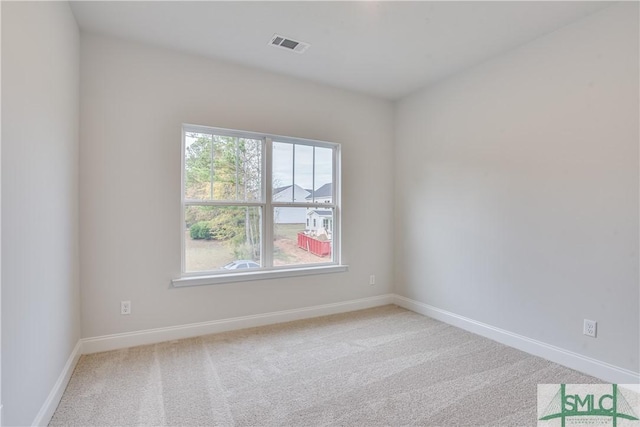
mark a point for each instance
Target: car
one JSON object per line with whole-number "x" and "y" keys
{"x": 240, "y": 264}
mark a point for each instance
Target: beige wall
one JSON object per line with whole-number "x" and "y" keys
{"x": 134, "y": 99}
{"x": 517, "y": 190}
{"x": 40, "y": 288}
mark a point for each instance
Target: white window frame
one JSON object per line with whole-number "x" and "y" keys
{"x": 268, "y": 271}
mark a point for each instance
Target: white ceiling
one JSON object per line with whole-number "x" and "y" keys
{"x": 386, "y": 49}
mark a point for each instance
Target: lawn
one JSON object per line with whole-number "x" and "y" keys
{"x": 207, "y": 255}
{"x": 287, "y": 231}
{"x": 202, "y": 255}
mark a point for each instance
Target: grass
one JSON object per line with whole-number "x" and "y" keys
{"x": 202, "y": 255}
{"x": 288, "y": 231}
{"x": 207, "y": 255}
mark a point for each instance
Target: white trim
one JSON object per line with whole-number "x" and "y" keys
{"x": 247, "y": 276}
{"x": 308, "y": 205}
{"x": 266, "y": 224}
{"x": 266, "y": 203}
{"x": 570, "y": 359}
{"x": 337, "y": 203}
{"x": 590, "y": 366}
{"x": 51, "y": 403}
{"x": 151, "y": 336}
{"x": 183, "y": 262}
{"x": 256, "y": 135}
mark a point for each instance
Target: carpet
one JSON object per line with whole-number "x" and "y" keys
{"x": 385, "y": 366}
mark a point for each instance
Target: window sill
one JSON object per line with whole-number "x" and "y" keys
{"x": 218, "y": 279}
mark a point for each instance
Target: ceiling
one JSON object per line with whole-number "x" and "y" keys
{"x": 385, "y": 49}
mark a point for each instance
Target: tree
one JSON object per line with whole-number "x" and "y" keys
{"x": 223, "y": 168}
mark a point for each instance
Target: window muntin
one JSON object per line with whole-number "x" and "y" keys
{"x": 227, "y": 220}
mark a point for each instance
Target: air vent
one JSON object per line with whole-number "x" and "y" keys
{"x": 288, "y": 44}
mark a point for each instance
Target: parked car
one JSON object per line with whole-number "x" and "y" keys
{"x": 240, "y": 264}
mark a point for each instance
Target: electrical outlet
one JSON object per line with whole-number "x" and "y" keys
{"x": 590, "y": 328}
{"x": 372, "y": 279}
{"x": 125, "y": 307}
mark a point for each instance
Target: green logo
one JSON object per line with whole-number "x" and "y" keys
{"x": 584, "y": 402}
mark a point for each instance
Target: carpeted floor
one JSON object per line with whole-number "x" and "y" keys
{"x": 382, "y": 366}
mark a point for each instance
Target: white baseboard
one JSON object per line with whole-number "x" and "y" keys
{"x": 49, "y": 407}
{"x": 590, "y": 366}
{"x": 587, "y": 365}
{"x": 151, "y": 336}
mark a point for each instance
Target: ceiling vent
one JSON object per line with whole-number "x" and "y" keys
{"x": 288, "y": 44}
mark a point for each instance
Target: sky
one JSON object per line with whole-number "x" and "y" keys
{"x": 286, "y": 169}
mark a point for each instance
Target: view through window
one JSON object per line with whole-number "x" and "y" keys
{"x": 254, "y": 201}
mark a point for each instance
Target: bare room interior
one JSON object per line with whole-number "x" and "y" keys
{"x": 316, "y": 213}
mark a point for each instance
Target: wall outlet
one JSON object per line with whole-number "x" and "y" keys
{"x": 372, "y": 279}
{"x": 125, "y": 307}
{"x": 590, "y": 328}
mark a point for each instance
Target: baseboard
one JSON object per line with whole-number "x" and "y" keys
{"x": 49, "y": 407}
{"x": 578, "y": 362}
{"x": 152, "y": 336}
{"x": 590, "y": 366}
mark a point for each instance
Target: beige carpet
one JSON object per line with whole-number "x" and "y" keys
{"x": 382, "y": 366}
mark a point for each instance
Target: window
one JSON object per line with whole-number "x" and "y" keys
{"x": 248, "y": 200}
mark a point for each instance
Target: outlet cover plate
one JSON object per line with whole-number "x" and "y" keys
{"x": 125, "y": 307}
{"x": 590, "y": 328}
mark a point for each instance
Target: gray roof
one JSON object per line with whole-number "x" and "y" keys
{"x": 324, "y": 191}
{"x": 323, "y": 212}
{"x": 286, "y": 187}
{"x": 279, "y": 189}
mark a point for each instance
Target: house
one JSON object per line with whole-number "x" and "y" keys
{"x": 488, "y": 166}
{"x": 321, "y": 195}
{"x": 320, "y": 221}
{"x": 290, "y": 194}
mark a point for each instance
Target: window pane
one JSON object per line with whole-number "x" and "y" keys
{"x": 302, "y": 236}
{"x": 282, "y": 172}
{"x": 222, "y": 237}
{"x": 323, "y": 175}
{"x": 250, "y": 169}
{"x": 303, "y": 168}
{"x": 224, "y": 188}
{"x": 300, "y": 169}
{"x": 197, "y": 165}
{"x": 237, "y": 169}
